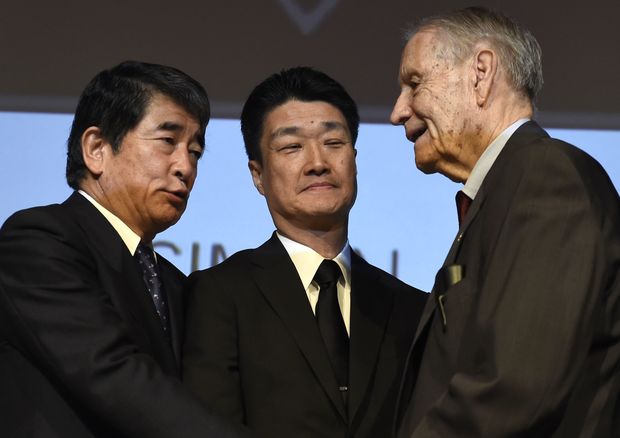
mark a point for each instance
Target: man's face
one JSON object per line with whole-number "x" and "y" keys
{"x": 435, "y": 104}
{"x": 148, "y": 181}
{"x": 308, "y": 171}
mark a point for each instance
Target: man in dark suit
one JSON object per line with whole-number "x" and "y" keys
{"x": 90, "y": 317}
{"x": 521, "y": 334}
{"x": 272, "y": 341}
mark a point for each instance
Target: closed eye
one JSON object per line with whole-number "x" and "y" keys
{"x": 335, "y": 142}
{"x": 292, "y": 147}
{"x": 168, "y": 140}
{"x": 197, "y": 153}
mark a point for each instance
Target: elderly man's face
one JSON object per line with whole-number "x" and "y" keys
{"x": 435, "y": 104}
{"x": 308, "y": 171}
{"x": 148, "y": 181}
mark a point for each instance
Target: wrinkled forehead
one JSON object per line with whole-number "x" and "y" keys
{"x": 426, "y": 42}
{"x": 420, "y": 51}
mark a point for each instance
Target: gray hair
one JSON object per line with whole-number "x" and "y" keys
{"x": 518, "y": 50}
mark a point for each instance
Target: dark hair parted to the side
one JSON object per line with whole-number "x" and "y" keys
{"x": 116, "y": 100}
{"x": 299, "y": 83}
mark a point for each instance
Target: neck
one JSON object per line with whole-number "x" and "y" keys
{"x": 492, "y": 121}
{"x": 94, "y": 190}
{"x": 327, "y": 242}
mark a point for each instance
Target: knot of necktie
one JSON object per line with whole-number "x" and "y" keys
{"x": 146, "y": 259}
{"x": 328, "y": 273}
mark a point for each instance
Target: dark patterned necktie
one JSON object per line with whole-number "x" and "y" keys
{"x": 331, "y": 324}
{"x": 462, "y": 205}
{"x": 150, "y": 274}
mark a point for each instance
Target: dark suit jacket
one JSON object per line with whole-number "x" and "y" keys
{"x": 253, "y": 351}
{"x": 82, "y": 351}
{"x": 531, "y": 341}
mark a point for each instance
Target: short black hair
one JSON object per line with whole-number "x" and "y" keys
{"x": 115, "y": 101}
{"x": 299, "y": 83}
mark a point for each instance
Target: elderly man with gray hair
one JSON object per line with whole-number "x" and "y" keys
{"x": 521, "y": 335}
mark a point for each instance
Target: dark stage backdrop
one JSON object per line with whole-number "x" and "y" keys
{"x": 50, "y": 49}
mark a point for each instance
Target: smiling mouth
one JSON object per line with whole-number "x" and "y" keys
{"x": 319, "y": 186}
{"x": 414, "y": 135}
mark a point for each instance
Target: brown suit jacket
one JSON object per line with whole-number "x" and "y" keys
{"x": 528, "y": 342}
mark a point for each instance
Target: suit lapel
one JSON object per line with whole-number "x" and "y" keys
{"x": 431, "y": 303}
{"x": 174, "y": 295}
{"x": 277, "y": 279}
{"x": 526, "y": 133}
{"x": 458, "y": 240}
{"x": 125, "y": 285}
{"x": 415, "y": 351}
{"x": 371, "y": 306}
{"x": 104, "y": 238}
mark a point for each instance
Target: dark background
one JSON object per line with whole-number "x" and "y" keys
{"x": 50, "y": 49}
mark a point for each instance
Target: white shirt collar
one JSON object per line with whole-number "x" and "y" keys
{"x": 488, "y": 157}
{"x": 307, "y": 260}
{"x": 131, "y": 239}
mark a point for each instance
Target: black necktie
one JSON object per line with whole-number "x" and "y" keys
{"x": 462, "y": 205}
{"x": 331, "y": 324}
{"x": 150, "y": 274}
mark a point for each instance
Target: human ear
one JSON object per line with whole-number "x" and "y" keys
{"x": 257, "y": 172}
{"x": 93, "y": 153}
{"x": 485, "y": 67}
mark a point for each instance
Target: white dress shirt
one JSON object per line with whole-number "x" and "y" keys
{"x": 307, "y": 261}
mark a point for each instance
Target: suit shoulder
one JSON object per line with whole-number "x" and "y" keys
{"x": 548, "y": 151}
{"x": 408, "y": 302}
{"x": 171, "y": 268}
{"x": 44, "y": 221}
{"x": 393, "y": 283}
{"x": 33, "y": 215}
{"x": 548, "y": 165}
{"x": 237, "y": 262}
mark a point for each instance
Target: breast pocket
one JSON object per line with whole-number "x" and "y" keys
{"x": 452, "y": 308}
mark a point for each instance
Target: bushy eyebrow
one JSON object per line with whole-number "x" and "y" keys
{"x": 334, "y": 126}
{"x": 330, "y": 125}
{"x": 169, "y": 126}
{"x": 176, "y": 127}
{"x": 409, "y": 74}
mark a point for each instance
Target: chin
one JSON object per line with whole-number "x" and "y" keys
{"x": 329, "y": 218}
{"x": 166, "y": 221}
{"x": 425, "y": 158}
{"x": 426, "y": 166}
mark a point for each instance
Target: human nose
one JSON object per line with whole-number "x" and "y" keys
{"x": 317, "y": 162}
{"x": 184, "y": 166}
{"x": 401, "y": 111}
